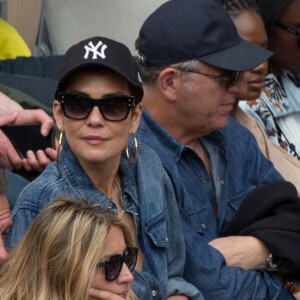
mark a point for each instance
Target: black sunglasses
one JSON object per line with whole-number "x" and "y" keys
{"x": 230, "y": 77}
{"x": 291, "y": 30}
{"x": 113, "y": 265}
{"x": 78, "y": 107}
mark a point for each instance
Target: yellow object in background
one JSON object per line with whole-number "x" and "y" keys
{"x": 11, "y": 43}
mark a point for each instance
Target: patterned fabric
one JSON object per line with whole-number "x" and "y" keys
{"x": 278, "y": 111}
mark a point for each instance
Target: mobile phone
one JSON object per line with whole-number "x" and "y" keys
{"x": 28, "y": 137}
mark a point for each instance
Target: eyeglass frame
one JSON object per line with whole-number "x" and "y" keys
{"x": 290, "y": 29}
{"x": 131, "y": 269}
{"x": 97, "y": 102}
{"x": 231, "y": 83}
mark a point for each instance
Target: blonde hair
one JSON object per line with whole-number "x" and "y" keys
{"x": 58, "y": 255}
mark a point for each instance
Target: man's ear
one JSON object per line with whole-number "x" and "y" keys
{"x": 168, "y": 80}
{"x": 58, "y": 115}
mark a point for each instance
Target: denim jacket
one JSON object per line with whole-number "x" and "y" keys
{"x": 237, "y": 167}
{"x": 147, "y": 195}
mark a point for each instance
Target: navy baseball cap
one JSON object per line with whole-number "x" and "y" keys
{"x": 100, "y": 52}
{"x": 182, "y": 30}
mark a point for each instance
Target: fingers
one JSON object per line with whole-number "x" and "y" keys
{"x": 8, "y": 155}
{"x": 37, "y": 162}
{"x": 52, "y": 153}
{"x": 36, "y": 116}
{"x": 41, "y": 117}
{"x": 103, "y": 295}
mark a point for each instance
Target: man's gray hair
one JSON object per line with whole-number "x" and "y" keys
{"x": 150, "y": 74}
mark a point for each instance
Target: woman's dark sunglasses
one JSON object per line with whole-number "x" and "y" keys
{"x": 291, "y": 30}
{"x": 113, "y": 265}
{"x": 230, "y": 77}
{"x": 78, "y": 107}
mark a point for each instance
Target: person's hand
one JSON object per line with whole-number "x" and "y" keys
{"x": 246, "y": 252}
{"x": 96, "y": 294}
{"x": 33, "y": 161}
{"x": 8, "y": 155}
{"x": 297, "y": 295}
{"x": 28, "y": 116}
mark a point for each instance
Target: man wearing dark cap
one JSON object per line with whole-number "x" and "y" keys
{"x": 192, "y": 61}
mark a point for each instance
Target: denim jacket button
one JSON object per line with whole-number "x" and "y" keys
{"x": 136, "y": 213}
{"x": 110, "y": 205}
{"x": 203, "y": 225}
{"x": 167, "y": 239}
{"x": 203, "y": 179}
{"x": 222, "y": 181}
{"x": 154, "y": 293}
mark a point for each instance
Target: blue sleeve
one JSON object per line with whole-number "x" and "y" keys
{"x": 206, "y": 268}
{"x": 22, "y": 215}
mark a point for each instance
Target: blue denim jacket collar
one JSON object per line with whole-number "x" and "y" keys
{"x": 172, "y": 146}
{"x": 69, "y": 165}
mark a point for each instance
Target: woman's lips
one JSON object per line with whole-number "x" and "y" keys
{"x": 94, "y": 139}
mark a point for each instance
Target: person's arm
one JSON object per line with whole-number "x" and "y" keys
{"x": 206, "y": 268}
{"x": 7, "y": 105}
{"x": 246, "y": 252}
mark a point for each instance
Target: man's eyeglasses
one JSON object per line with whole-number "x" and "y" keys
{"x": 78, "y": 107}
{"x": 113, "y": 265}
{"x": 291, "y": 30}
{"x": 230, "y": 77}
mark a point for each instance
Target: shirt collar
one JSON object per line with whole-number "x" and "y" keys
{"x": 81, "y": 183}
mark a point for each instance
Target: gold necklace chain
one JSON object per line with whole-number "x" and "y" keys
{"x": 122, "y": 213}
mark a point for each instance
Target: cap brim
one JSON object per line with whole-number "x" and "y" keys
{"x": 240, "y": 57}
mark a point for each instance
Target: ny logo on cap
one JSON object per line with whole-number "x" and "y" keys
{"x": 94, "y": 49}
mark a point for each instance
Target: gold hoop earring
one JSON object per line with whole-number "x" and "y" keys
{"x": 136, "y": 151}
{"x": 60, "y": 141}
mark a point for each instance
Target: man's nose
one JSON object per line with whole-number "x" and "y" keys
{"x": 240, "y": 86}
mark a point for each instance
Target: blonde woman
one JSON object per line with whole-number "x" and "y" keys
{"x": 73, "y": 250}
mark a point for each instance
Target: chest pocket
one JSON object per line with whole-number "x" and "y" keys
{"x": 157, "y": 231}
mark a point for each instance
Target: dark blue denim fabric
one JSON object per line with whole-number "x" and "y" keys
{"x": 16, "y": 183}
{"x": 147, "y": 194}
{"x": 237, "y": 167}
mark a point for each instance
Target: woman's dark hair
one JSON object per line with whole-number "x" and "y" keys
{"x": 236, "y": 7}
{"x": 271, "y": 11}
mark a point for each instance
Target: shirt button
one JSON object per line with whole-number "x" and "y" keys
{"x": 110, "y": 206}
{"x": 203, "y": 225}
{"x": 154, "y": 293}
{"x": 167, "y": 239}
{"x": 222, "y": 181}
{"x": 136, "y": 213}
{"x": 203, "y": 179}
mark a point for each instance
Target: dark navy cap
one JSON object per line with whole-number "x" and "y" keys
{"x": 182, "y": 30}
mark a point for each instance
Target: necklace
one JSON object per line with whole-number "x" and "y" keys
{"x": 122, "y": 213}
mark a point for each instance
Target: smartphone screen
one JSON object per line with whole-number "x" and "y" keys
{"x": 28, "y": 137}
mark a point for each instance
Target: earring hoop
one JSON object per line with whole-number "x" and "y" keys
{"x": 60, "y": 141}
{"x": 136, "y": 151}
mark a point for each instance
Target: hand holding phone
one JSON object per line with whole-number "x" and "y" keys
{"x": 28, "y": 137}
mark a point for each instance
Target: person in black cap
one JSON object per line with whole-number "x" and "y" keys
{"x": 192, "y": 61}
{"x": 97, "y": 108}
